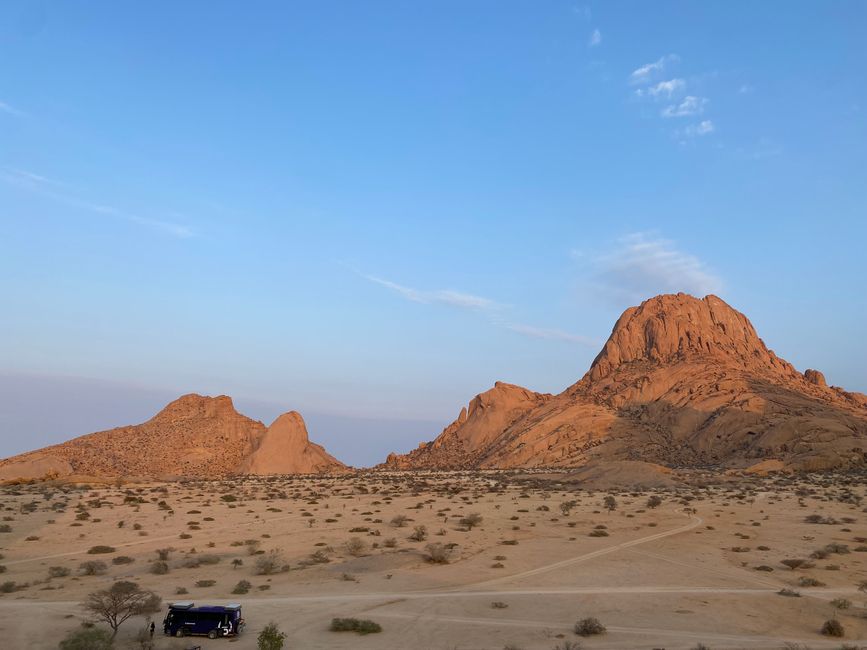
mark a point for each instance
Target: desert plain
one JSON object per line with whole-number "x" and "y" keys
{"x": 452, "y": 560}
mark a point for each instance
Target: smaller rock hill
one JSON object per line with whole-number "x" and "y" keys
{"x": 192, "y": 437}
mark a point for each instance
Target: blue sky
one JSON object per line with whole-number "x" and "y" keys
{"x": 372, "y": 211}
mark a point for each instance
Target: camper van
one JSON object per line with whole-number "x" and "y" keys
{"x": 213, "y": 621}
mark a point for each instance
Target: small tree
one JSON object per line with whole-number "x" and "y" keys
{"x": 566, "y": 507}
{"x": 610, "y": 503}
{"x": 271, "y": 638}
{"x": 121, "y": 601}
{"x": 654, "y": 502}
{"x": 88, "y": 638}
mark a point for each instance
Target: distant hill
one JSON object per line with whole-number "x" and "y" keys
{"x": 681, "y": 381}
{"x": 194, "y": 436}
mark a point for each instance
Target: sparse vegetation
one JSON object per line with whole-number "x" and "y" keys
{"x": 362, "y": 626}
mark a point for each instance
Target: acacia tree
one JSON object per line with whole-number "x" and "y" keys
{"x": 123, "y": 600}
{"x": 610, "y": 503}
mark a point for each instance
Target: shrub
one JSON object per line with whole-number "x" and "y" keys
{"x": 270, "y": 638}
{"x": 96, "y": 550}
{"x": 93, "y": 568}
{"x": 58, "y": 571}
{"x": 89, "y": 638}
{"x": 362, "y": 626}
{"x": 654, "y": 502}
{"x": 242, "y": 587}
{"x": 794, "y": 563}
{"x": 206, "y": 583}
{"x": 122, "y": 559}
{"x": 164, "y": 553}
{"x": 589, "y": 627}
{"x": 356, "y": 546}
{"x": 472, "y": 520}
{"x": 791, "y": 593}
{"x": 159, "y": 568}
{"x": 806, "y": 581}
{"x": 419, "y": 534}
{"x": 598, "y": 532}
{"x": 270, "y": 563}
{"x": 437, "y": 553}
{"x": 833, "y": 627}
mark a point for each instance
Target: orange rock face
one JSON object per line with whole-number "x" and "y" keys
{"x": 680, "y": 381}
{"x": 286, "y": 449}
{"x": 194, "y": 436}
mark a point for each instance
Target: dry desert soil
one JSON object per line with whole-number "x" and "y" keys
{"x": 702, "y": 567}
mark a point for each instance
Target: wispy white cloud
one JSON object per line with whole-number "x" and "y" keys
{"x": 643, "y": 265}
{"x": 595, "y": 38}
{"x": 550, "y": 334}
{"x": 691, "y": 105}
{"x": 494, "y": 312}
{"x": 663, "y": 89}
{"x": 704, "y": 127}
{"x": 650, "y": 71}
{"x": 10, "y": 110}
{"x": 447, "y": 297}
{"x": 62, "y": 193}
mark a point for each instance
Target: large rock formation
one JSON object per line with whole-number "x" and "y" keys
{"x": 285, "y": 449}
{"x": 194, "y": 436}
{"x": 681, "y": 382}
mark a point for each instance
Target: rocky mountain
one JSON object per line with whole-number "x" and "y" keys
{"x": 681, "y": 381}
{"x": 194, "y": 436}
{"x": 286, "y": 449}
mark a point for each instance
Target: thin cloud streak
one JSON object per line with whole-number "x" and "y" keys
{"x": 649, "y": 71}
{"x": 447, "y": 297}
{"x": 492, "y": 309}
{"x": 57, "y": 191}
{"x": 550, "y": 334}
{"x": 11, "y": 110}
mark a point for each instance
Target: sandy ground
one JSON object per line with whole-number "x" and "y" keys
{"x": 664, "y": 577}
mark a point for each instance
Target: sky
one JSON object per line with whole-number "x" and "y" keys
{"x": 372, "y": 211}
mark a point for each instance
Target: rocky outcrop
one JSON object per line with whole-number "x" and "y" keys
{"x": 477, "y": 426}
{"x": 194, "y": 437}
{"x": 286, "y": 449}
{"x": 681, "y": 381}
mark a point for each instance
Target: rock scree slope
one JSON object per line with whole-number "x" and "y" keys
{"x": 194, "y": 437}
{"x": 681, "y": 381}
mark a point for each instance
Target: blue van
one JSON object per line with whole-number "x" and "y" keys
{"x": 213, "y": 621}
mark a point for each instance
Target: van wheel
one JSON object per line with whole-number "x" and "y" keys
{"x": 179, "y": 632}
{"x": 212, "y": 634}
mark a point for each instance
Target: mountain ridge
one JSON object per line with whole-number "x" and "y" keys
{"x": 193, "y": 436}
{"x": 680, "y": 381}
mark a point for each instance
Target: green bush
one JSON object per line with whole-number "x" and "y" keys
{"x": 589, "y": 627}
{"x": 833, "y": 627}
{"x": 355, "y": 625}
{"x": 242, "y": 587}
{"x": 270, "y": 638}
{"x": 96, "y": 550}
